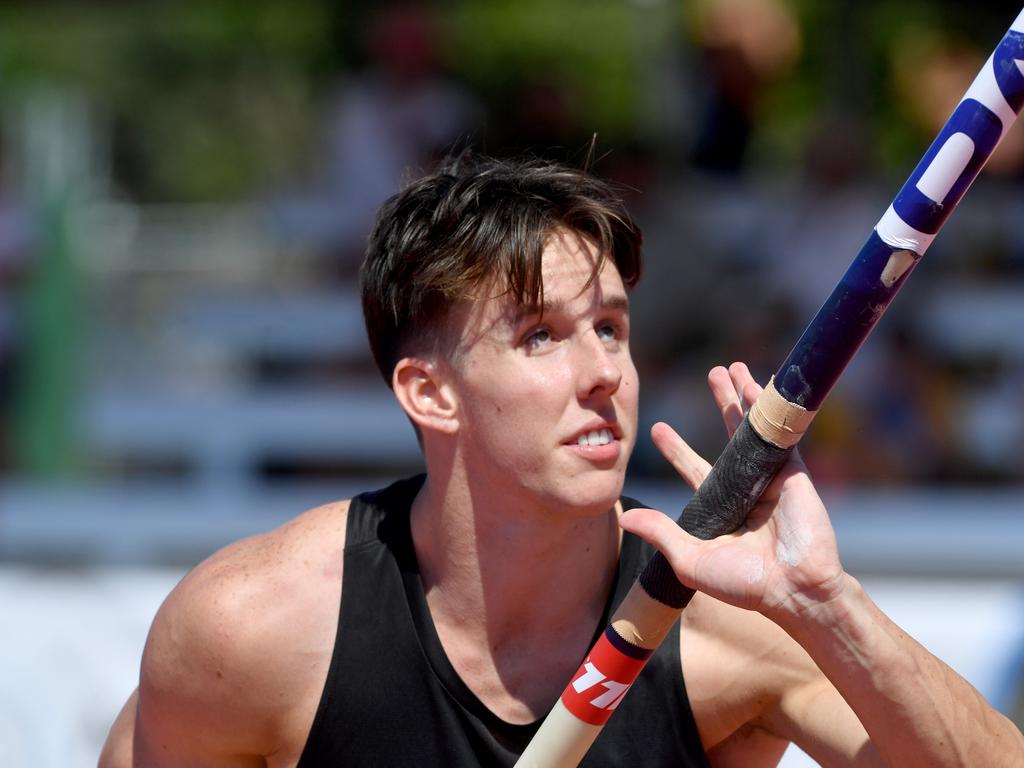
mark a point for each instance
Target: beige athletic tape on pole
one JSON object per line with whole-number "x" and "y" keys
{"x": 777, "y": 420}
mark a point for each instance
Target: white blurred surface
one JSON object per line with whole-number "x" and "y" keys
{"x": 72, "y": 642}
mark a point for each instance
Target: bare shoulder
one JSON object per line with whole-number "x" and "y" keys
{"x": 238, "y": 653}
{"x": 737, "y": 666}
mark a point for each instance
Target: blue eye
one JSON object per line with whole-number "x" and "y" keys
{"x": 538, "y": 337}
{"x": 607, "y": 331}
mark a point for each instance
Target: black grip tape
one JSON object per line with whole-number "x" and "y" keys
{"x": 720, "y": 505}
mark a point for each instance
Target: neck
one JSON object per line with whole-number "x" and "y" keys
{"x": 515, "y": 591}
{"x": 520, "y": 570}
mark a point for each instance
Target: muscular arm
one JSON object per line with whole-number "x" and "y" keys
{"x": 784, "y": 565}
{"x": 166, "y": 737}
{"x": 117, "y": 750}
{"x": 179, "y": 714}
{"x": 238, "y": 653}
{"x": 201, "y": 674}
{"x": 917, "y": 710}
{"x": 753, "y": 690}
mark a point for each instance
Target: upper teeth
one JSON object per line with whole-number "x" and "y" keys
{"x": 597, "y": 437}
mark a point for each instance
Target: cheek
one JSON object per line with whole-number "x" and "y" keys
{"x": 634, "y": 385}
{"x": 510, "y": 385}
{"x": 527, "y": 400}
{"x": 630, "y": 386}
{"x": 503, "y": 398}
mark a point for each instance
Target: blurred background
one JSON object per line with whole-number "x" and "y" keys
{"x": 186, "y": 189}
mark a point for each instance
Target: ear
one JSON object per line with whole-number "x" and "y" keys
{"x": 425, "y": 394}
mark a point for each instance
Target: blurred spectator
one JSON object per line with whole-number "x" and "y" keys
{"x": 819, "y": 228}
{"x": 932, "y": 71}
{"x": 990, "y": 429}
{"x": 894, "y": 423}
{"x": 746, "y": 45}
{"x": 544, "y": 112}
{"x": 15, "y": 241}
{"x": 383, "y": 124}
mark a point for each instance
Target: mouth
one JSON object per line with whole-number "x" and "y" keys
{"x": 602, "y": 436}
{"x": 601, "y": 447}
{"x": 599, "y": 442}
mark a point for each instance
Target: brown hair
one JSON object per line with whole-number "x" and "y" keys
{"x": 477, "y": 219}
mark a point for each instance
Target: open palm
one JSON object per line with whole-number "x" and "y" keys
{"x": 783, "y": 557}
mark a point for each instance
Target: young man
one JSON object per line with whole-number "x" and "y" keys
{"x": 437, "y": 621}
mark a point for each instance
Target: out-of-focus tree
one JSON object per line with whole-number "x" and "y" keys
{"x": 205, "y": 100}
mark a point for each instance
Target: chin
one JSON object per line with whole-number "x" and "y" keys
{"x": 592, "y": 494}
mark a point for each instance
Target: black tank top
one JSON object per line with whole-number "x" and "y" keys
{"x": 392, "y": 698}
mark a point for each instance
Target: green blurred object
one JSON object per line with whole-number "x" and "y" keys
{"x": 55, "y": 153}
{"x": 584, "y": 45}
{"x": 206, "y": 100}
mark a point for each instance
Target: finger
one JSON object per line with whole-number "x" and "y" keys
{"x": 680, "y": 548}
{"x": 744, "y": 384}
{"x": 684, "y": 460}
{"x": 726, "y": 398}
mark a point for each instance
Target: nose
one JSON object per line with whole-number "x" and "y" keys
{"x": 600, "y": 371}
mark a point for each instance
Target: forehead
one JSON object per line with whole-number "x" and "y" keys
{"x": 567, "y": 275}
{"x": 570, "y": 258}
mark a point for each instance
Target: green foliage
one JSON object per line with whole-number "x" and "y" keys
{"x": 208, "y": 98}
{"x": 587, "y": 46}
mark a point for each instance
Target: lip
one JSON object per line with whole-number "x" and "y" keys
{"x": 599, "y": 454}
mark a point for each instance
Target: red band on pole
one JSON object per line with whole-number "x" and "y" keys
{"x": 602, "y": 680}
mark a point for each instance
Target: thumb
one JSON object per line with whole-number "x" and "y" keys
{"x": 682, "y": 550}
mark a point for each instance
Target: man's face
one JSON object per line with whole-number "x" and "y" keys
{"x": 548, "y": 399}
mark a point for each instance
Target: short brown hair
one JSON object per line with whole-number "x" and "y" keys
{"x": 474, "y": 220}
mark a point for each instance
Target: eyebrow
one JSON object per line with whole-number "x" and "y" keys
{"x": 556, "y": 306}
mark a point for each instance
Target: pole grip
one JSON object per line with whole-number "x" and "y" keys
{"x": 720, "y": 505}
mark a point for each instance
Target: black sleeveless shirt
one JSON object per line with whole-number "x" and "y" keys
{"x": 392, "y": 698}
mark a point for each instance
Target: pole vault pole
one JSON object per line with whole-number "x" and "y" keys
{"x": 781, "y": 415}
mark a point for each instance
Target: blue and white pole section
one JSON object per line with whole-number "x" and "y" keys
{"x": 781, "y": 415}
